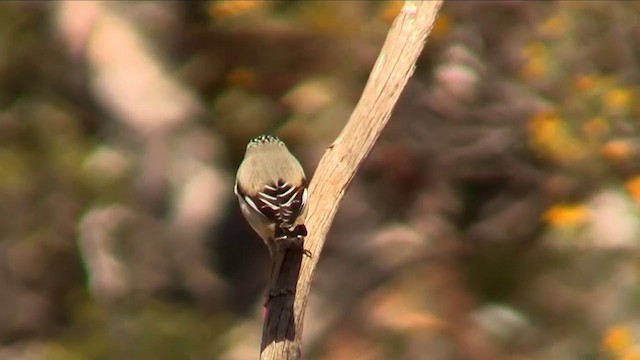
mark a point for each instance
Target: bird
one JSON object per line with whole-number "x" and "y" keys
{"x": 272, "y": 192}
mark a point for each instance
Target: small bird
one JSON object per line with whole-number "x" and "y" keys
{"x": 272, "y": 192}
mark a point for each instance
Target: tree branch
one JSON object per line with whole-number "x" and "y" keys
{"x": 282, "y": 331}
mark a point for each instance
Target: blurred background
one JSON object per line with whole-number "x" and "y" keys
{"x": 496, "y": 218}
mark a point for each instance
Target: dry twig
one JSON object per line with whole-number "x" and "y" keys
{"x": 282, "y": 332}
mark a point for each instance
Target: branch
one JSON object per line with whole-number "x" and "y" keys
{"x": 282, "y": 331}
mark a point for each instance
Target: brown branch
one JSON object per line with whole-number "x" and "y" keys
{"x": 282, "y": 331}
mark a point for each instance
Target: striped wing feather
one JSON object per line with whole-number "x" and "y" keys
{"x": 281, "y": 203}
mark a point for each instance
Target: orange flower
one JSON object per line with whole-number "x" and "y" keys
{"x": 633, "y": 187}
{"x": 226, "y": 8}
{"x": 617, "y": 339}
{"x": 584, "y": 82}
{"x": 566, "y": 215}
{"x": 631, "y": 354}
{"x": 616, "y": 150}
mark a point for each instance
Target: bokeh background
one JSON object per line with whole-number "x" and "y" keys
{"x": 496, "y": 218}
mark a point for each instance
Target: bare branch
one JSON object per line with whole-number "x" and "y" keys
{"x": 283, "y": 326}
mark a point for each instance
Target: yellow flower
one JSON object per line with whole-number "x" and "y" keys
{"x": 633, "y": 187}
{"x": 617, "y": 339}
{"x": 226, "y": 8}
{"x": 554, "y": 25}
{"x": 617, "y": 99}
{"x": 535, "y": 68}
{"x": 616, "y": 150}
{"x": 554, "y": 139}
{"x": 566, "y": 215}
{"x": 536, "y": 60}
{"x": 544, "y": 125}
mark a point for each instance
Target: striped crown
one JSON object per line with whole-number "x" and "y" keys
{"x": 264, "y": 139}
